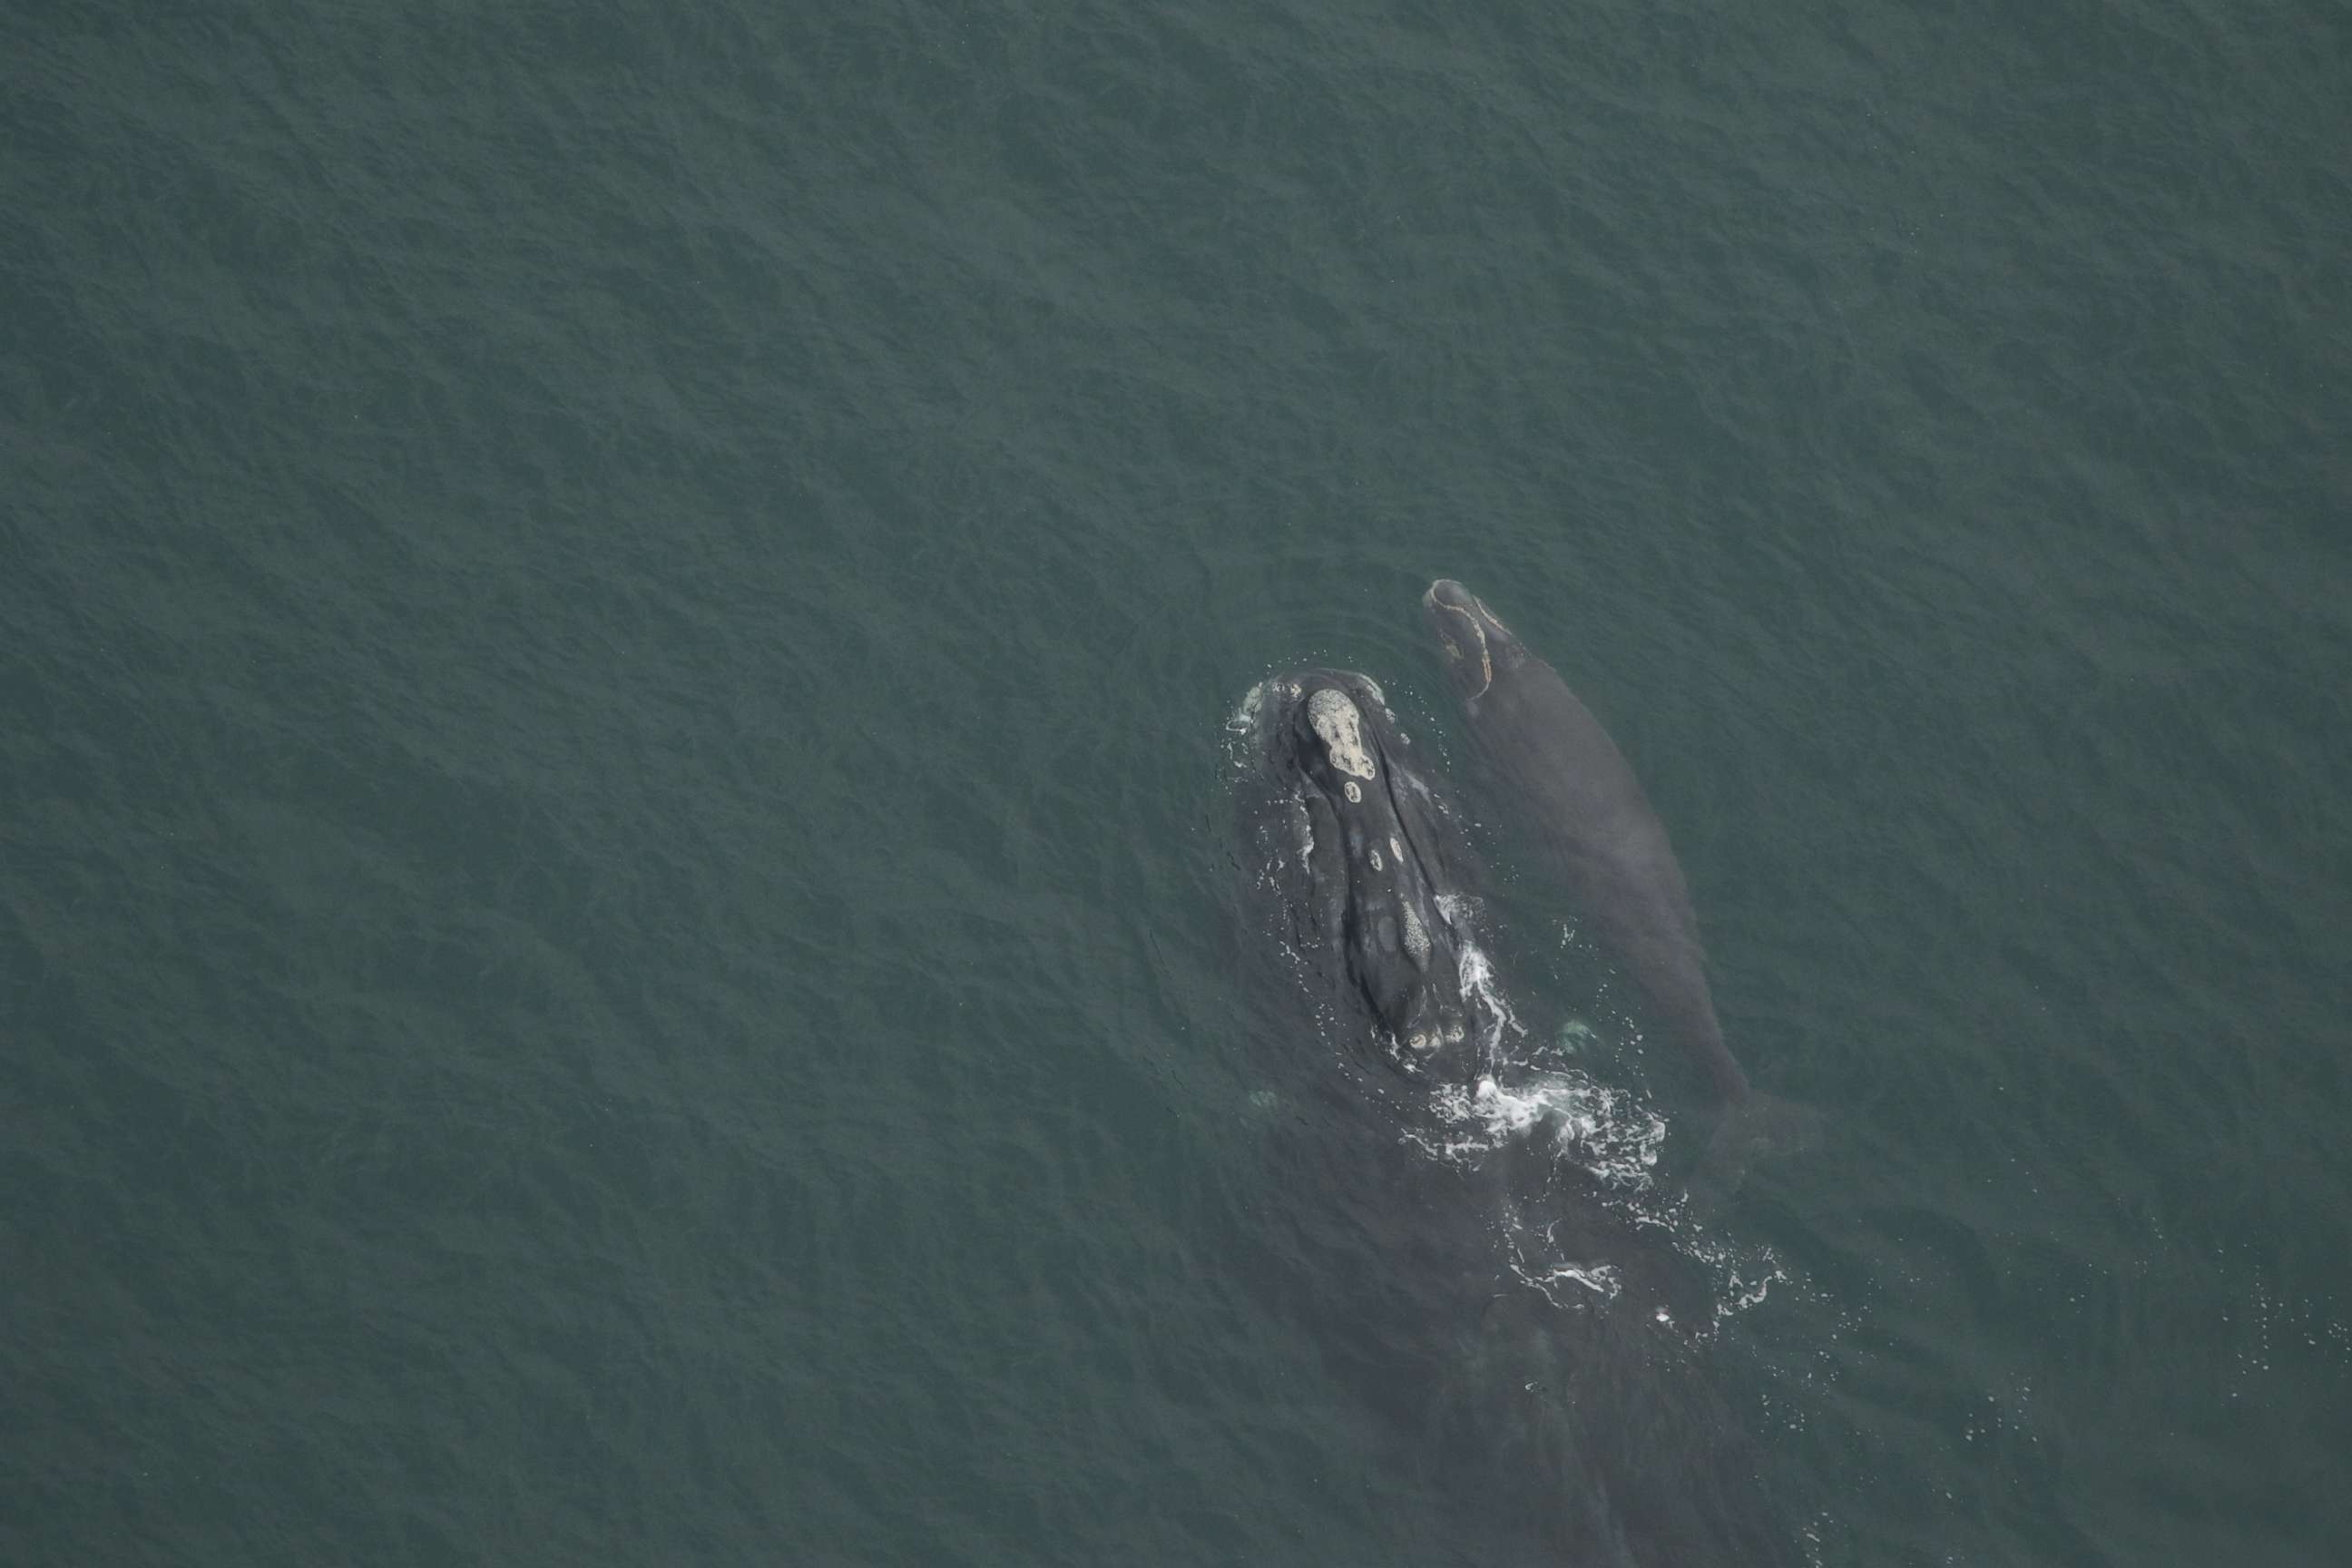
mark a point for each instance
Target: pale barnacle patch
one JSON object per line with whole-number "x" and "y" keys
{"x": 1340, "y": 728}
{"x": 1416, "y": 935}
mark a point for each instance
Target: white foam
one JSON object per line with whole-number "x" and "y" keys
{"x": 1600, "y": 1278}
{"x": 1245, "y": 716}
{"x": 1477, "y": 977}
{"x": 1601, "y": 1129}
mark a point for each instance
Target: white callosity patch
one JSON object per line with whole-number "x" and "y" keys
{"x": 1477, "y": 634}
{"x": 1416, "y": 936}
{"x": 1341, "y": 729}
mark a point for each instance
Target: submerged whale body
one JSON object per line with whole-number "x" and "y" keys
{"x": 1594, "y": 825}
{"x": 1595, "y": 831}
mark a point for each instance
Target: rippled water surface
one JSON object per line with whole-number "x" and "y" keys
{"x": 618, "y": 927}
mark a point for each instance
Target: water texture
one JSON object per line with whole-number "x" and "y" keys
{"x": 616, "y": 868}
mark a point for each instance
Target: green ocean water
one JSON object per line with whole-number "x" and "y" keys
{"x": 616, "y": 622}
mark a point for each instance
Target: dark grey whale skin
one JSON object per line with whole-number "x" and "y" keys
{"x": 1361, "y": 879}
{"x": 1592, "y": 823}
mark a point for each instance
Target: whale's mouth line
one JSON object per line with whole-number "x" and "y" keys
{"x": 1486, "y": 660}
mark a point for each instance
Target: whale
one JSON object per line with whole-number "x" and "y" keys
{"x": 1593, "y": 829}
{"x": 1362, "y": 849}
{"x": 1531, "y": 1350}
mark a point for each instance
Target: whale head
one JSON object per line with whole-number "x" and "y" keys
{"x": 1471, "y": 641}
